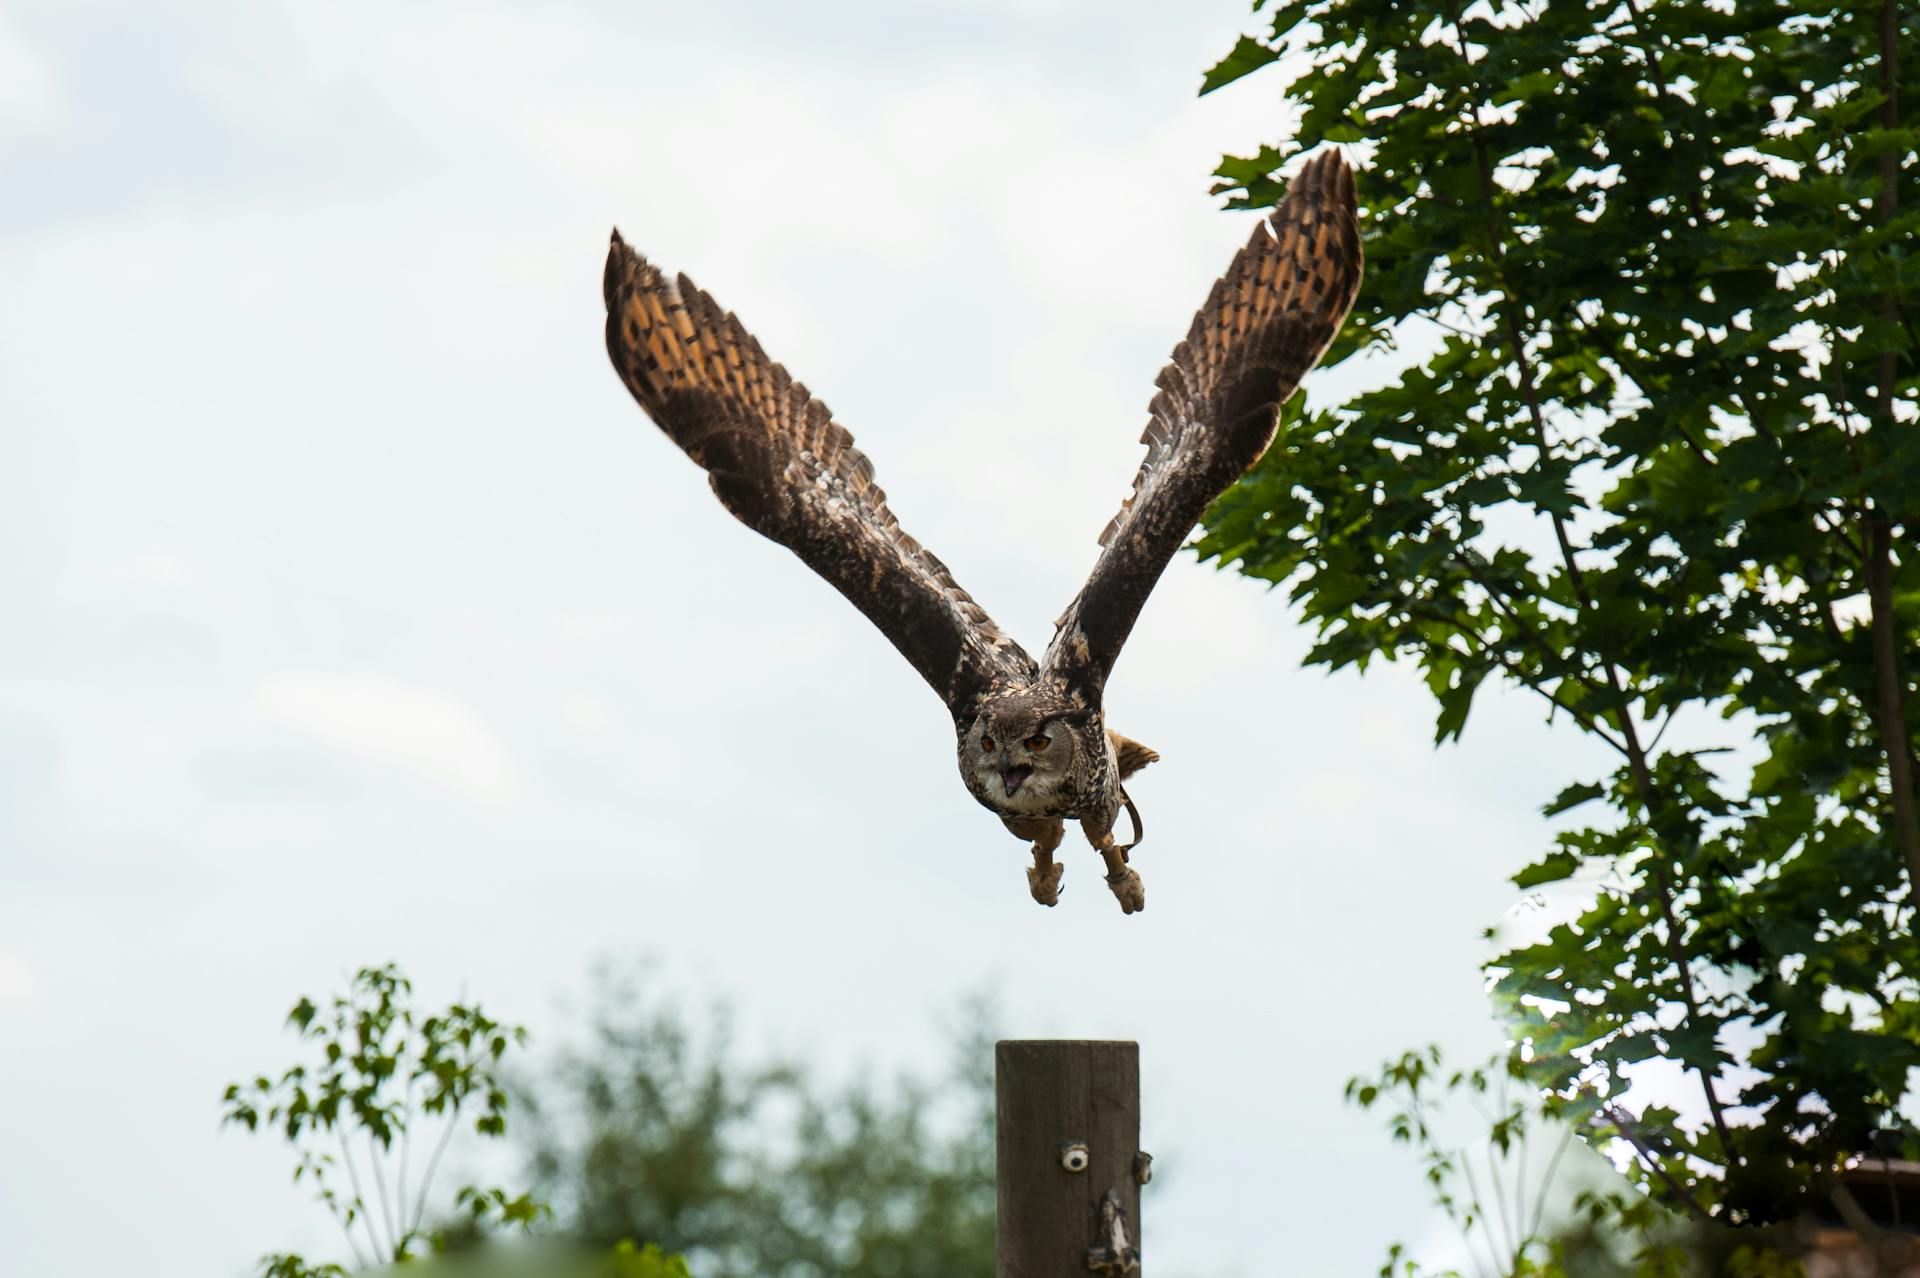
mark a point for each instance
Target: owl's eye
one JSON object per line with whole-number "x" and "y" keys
{"x": 986, "y": 745}
{"x": 1038, "y": 741}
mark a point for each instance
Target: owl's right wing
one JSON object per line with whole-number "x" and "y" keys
{"x": 778, "y": 461}
{"x": 1266, "y": 323}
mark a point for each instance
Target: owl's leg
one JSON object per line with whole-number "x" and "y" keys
{"x": 1125, "y": 882}
{"x": 1043, "y": 876}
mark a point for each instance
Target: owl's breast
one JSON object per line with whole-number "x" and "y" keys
{"x": 1031, "y": 801}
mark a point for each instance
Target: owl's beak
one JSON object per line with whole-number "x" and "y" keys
{"x": 1012, "y": 777}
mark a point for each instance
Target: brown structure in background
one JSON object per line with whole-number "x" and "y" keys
{"x": 1872, "y": 1229}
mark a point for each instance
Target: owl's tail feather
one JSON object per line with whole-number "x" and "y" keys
{"x": 1131, "y": 754}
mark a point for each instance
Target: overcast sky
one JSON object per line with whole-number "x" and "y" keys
{"x": 353, "y": 612}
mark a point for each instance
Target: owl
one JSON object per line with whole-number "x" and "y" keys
{"x": 1031, "y": 736}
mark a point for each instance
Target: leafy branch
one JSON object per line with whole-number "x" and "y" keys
{"x": 378, "y": 1074}
{"x": 1642, "y": 479}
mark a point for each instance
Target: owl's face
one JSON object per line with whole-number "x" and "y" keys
{"x": 1020, "y": 758}
{"x": 1022, "y": 765}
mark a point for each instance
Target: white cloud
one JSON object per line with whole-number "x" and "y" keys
{"x": 17, "y": 987}
{"x": 400, "y": 728}
{"x": 29, "y": 100}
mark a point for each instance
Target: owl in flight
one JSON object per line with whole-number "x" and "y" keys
{"x": 1032, "y": 736}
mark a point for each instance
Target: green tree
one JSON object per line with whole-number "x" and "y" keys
{"x": 381, "y": 1074}
{"x": 1656, "y": 462}
{"x": 656, "y": 1129}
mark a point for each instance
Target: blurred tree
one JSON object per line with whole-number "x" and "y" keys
{"x": 1656, "y": 463}
{"x": 380, "y": 1074}
{"x": 546, "y": 1259}
{"x": 1479, "y": 1179}
{"x": 1473, "y": 1131}
{"x": 656, "y": 1130}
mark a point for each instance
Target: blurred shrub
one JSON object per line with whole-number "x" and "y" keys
{"x": 655, "y": 1127}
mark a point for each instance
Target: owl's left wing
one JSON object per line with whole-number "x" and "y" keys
{"x": 776, "y": 458}
{"x": 1267, "y": 322}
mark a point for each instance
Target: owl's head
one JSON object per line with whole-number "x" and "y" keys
{"x": 1023, "y": 750}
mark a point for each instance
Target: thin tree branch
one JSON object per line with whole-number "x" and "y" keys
{"x": 1508, "y": 1238}
{"x": 1625, "y": 1127}
{"x": 341, "y": 1216}
{"x": 1839, "y": 530}
{"x": 1623, "y": 714}
{"x": 1531, "y": 636}
{"x": 1845, "y": 411}
{"x": 1546, "y": 1183}
{"x": 407, "y": 1117}
{"x": 406, "y": 1153}
{"x": 1665, "y": 723}
{"x": 1759, "y": 424}
{"x": 1889, "y": 684}
{"x": 1519, "y": 1163}
{"x": 1536, "y": 639}
{"x": 1486, "y": 1233}
{"x": 1889, "y": 688}
{"x": 1520, "y": 1193}
{"x": 378, "y": 1171}
{"x": 359, "y": 1207}
{"x": 1519, "y": 674}
{"x": 1888, "y": 205}
{"x": 433, "y": 1164}
{"x": 1451, "y": 328}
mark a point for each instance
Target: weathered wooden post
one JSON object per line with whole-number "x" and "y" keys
{"x": 1070, "y": 1164}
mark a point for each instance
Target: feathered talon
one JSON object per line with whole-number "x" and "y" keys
{"x": 1045, "y": 884}
{"x": 1129, "y": 890}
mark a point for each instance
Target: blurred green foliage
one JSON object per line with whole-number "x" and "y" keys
{"x": 288, "y": 1264}
{"x": 1493, "y": 1150}
{"x": 1656, "y": 462}
{"x": 657, "y": 1128}
{"x": 548, "y": 1260}
{"x": 1482, "y": 1183}
{"x": 377, "y": 1074}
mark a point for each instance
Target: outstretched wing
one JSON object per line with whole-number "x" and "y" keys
{"x": 779, "y": 462}
{"x": 1267, "y": 321}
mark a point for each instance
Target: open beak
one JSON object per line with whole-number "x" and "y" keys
{"x": 1012, "y": 777}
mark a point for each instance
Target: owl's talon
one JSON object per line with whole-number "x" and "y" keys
{"x": 1129, "y": 890}
{"x": 1045, "y": 885}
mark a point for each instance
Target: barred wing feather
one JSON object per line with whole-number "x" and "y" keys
{"x": 776, "y": 459}
{"x": 1267, "y": 321}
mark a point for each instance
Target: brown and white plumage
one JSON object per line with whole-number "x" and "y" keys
{"x": 1265, "y": 324}
{"x": 786, "y": 469}
{"x": 1032, "y": 740}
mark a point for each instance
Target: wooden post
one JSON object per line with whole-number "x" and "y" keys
{"x": 1064, "y": 1211}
